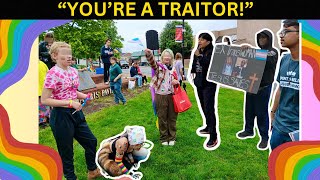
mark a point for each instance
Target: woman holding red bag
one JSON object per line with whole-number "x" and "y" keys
{"x": 163, "y": 83}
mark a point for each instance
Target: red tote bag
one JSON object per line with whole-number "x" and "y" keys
{"x": 180, "y": 100}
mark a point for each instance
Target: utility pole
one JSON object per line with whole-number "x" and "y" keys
{"x": 182, "y": 45}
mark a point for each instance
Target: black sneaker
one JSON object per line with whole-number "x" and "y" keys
{"x": 204, "y": 131}
{"x": 212, "y": 143}
{"x": 244, "y": 134}
{"x": 263, "y": 144}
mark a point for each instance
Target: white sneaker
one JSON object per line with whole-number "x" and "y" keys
{"x": 171, "y": 143}
{"x": 165, "y": 143}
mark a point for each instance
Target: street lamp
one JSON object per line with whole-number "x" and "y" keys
{"x": 182, "y": 45}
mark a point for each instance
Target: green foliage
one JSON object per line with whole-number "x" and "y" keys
{"x": 167, "y": 37}
{"x": 86, "y": 37}
{"x": 82, "y": 66}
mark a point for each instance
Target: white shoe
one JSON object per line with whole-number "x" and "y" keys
{"x": 171, "y": 143}
{"x": 165, "y": 143}
{"x": 106, "y": 82}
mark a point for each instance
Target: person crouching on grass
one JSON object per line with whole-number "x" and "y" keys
{"x": 163, "y": 83}
{"x": 116, "y": 156}
{"x": 115, "y": 81}
{"x": 60, "y": 92}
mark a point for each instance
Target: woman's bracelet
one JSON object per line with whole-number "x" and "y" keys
{"x": 70, "y": 103}
{"x": 88, "y": 96}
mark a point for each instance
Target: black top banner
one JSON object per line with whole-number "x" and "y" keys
{"x": 173, "y": 9}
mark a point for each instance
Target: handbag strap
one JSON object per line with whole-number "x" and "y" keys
{"x": 177, "y": 89}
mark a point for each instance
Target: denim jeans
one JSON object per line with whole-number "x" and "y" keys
{"x": 257, "y": 106}
{"x": 139, "y": 78}
{"x": 278, "y": 138}
{"x": 116, "y": 89}
{"x": 65, "y": 126}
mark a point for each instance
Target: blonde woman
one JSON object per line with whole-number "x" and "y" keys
{"x": 163, "y": 83}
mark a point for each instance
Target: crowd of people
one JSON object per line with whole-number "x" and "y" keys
{"x": 282, "y": 119}
{"x": 59, "y": 99}
{"x": 60, "y": 107}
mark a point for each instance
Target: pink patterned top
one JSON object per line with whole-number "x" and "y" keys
{"x": 64, "y": 83}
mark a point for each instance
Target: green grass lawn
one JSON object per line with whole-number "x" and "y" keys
{"x": 234, "y": 159}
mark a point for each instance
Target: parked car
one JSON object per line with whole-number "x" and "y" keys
{"x": 144, "y": 64}
{"x": 96, "y": 63}
{"x": 124, "y": 64}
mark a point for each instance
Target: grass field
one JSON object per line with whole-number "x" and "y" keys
{"x": 234, "y": 159}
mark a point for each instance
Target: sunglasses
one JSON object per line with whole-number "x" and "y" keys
{"x": 285, "y": 31}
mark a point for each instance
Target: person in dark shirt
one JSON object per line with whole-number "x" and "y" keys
{"x": 285, "y": 110}
{"x": 256, "y": 105}
{"x": 135, "y": 73}
{"x": 106, "y": 52}
{"x": 206, "y": 90}
{"x": 44, "y": 47}
{"x": 240, "y": 71}
{"x": 116, "y": 81}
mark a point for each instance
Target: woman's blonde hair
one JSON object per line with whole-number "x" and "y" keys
{"x": 55, "y": 48}
{"x": 171, "y": 54}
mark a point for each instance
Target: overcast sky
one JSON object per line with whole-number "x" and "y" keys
{"x": 129, "y": 29}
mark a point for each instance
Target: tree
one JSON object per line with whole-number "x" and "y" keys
{"x": 167, "y": 37}
{"x": 86, "y": 37}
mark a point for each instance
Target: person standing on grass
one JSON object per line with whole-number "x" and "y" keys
{"x": 163, "y": 83}
{"x": 257, "y": 104}
{"x": 285, "y": 110}
{"x": 135, "y": 73}
{"x": 206, "y": 90}
{"x": 179, "y": 67}
{"x": 106, "y": 53}
{"x": 115, "y": 81}
{"x": 60, "y": 92}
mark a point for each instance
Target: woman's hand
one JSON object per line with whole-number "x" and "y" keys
{"x": 148, "y": 52}
{"x": 175, "y": 82}
{"x": 131, "y": 160}
{"x": 245, "y": 47}
{"x": 76, "y": 105}
{"x": 197, "y": 52}
{"x": 89, "y": 98}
